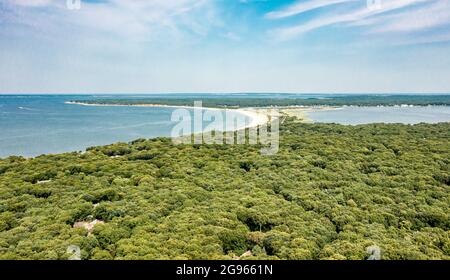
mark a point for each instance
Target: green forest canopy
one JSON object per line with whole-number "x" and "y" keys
{"x": 330, "y": 192}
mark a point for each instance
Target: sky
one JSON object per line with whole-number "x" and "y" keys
{"x": 220, "y": 46}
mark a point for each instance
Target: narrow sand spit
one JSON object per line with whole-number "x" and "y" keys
{"x": 257, "y": 116}
{"x": 301, "y": 113}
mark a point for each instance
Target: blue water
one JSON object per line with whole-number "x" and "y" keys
{"x": 35, "y": 125}
{"x": 363, "y": 115}
{"x": 32, "y": 125}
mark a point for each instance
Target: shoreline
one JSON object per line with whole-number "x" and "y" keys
{"x": 256, "y": 118}
{"x": 258, "y": 115}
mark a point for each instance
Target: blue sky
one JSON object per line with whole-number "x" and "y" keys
{"x": 155, "y": 46}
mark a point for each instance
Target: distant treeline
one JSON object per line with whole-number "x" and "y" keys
{"x": 351, "y": 100}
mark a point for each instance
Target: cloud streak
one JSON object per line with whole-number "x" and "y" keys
{"x": 302, "y": 7}
{"x": 126, "y": 19}
{"x": 223, "y": 46}
{"x": 424, "y": 16}
{"x": 435, "y": 15}
{"x": 31, "y": 3}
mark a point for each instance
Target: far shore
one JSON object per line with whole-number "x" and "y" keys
{"x": 257, "y": 115}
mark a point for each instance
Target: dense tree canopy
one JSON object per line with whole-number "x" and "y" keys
{"x": 330, "y": 193}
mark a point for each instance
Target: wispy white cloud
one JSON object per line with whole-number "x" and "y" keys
{"x": 435, "y": 15}
{"x": 31, "y": 3}
{"x": 303, "y": 6}
{"x": 207, "y": 45}
{"x": 137, "y": 19}
{"x": 355, "y": 17}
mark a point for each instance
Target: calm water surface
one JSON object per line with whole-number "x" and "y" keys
{"x": 32, "y": 125}
{"x": 35, "y": 125}
{"x": 363, "y": 115}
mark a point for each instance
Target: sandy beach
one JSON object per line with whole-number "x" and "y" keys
{"x": 257, "y": 116}
{"x": 301, "y": 113}
{"x": 263, "y": 115}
